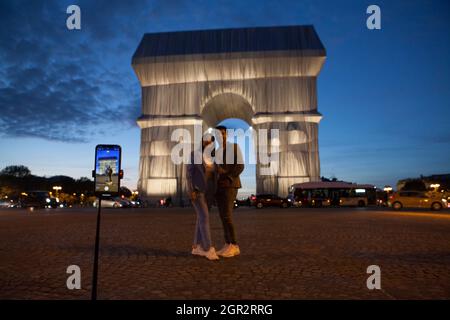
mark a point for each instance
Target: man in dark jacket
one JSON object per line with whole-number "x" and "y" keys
{"x": 229, "y": 168}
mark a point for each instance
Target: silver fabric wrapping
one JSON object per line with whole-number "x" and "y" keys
{"x": 265, "y": 76}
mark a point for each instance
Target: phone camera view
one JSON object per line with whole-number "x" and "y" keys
{"x": 107, "y": 166}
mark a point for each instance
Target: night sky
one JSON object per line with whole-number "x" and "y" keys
{"x": 384, "y": 94}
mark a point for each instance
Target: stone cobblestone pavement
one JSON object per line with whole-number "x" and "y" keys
{"x": 286, "y": 254}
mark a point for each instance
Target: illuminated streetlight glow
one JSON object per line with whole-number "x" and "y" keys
{"x": 57, "y": 189}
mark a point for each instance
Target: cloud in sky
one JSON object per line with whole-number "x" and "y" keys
{"x": 59, "y": 84}
{"x": 68, "y": 86}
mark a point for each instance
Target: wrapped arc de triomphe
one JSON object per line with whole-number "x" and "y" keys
{"x": 266, "y": 76}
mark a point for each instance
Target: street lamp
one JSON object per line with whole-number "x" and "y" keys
{"x": 434, "y": 187}
{"x": 57, "y": 189}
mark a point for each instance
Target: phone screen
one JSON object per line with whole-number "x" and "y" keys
{"x": 107, "y": 167}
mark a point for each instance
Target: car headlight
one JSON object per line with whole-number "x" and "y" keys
{"x": 47, "y": 200}
{"x": 444, "y": 200}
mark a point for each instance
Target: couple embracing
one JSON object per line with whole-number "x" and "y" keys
{"x": 215, "y": 179}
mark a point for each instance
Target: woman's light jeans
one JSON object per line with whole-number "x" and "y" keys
{"x": 202, "y": 232}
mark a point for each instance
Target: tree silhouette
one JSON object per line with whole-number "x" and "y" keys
{"x": 17, "y": 179}
{"x": 414, "y": 185}
{"x": 16, "y": 171}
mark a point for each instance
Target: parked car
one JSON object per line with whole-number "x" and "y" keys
{"x": 126, "y": 203}
{"x": 38, "y": 199}
{"x": 164, "y": 203}
{"x": 243, "y": 202}
{"x": 110, "y": 202}
{"x": 5, "y": 204}
{"x": 417, "y": 199}
{"x": 9, "y": 204}
{"x": 269, "y": 200}
{"x": 137, "y": 203}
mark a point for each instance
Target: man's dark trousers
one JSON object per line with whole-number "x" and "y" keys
{"x": 225, "y": 202}
{"x": 227, "y": 187}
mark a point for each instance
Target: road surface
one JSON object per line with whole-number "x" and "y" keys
{"x": 286, "y": 254}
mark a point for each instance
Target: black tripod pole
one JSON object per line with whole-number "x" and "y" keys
{"x": 97, "y": 240}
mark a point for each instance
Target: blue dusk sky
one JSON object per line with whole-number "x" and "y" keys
{"x": 384, "y": 94}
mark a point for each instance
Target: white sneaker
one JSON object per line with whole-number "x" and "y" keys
{"x": 210, "y": 254}
{"x": 224, "y": 249}
{"x": 196, "y": 250}
{"x": 232, "y": 250}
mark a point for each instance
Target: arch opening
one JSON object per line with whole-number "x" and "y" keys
{"x": 224, "y": 106}
{"x": 248, "y": 149}
{"x": 235, "y": 112}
